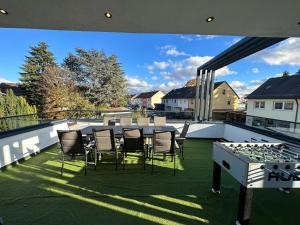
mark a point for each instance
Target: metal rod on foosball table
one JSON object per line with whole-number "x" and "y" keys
{"x": 245, "y": 204}
{"x": 216, "y": 185}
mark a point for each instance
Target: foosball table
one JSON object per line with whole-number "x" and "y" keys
{"x": 256, "y": 165}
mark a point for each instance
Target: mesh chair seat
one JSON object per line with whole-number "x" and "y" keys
{"x": 164, "y": 144}
{"x": 104, "y": 144}
{"x": 71, "y": 143}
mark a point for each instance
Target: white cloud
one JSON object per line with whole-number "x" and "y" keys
{"x": 187, "y": 68}
{"x": 255, "y": 70}
{"x": 241, "y": 88}
{"x": 166, "y": 87}
{"x": 135, "y": 84}
{"x": 186, "y": 38}
{"x": 172, "y": 51}
{"x": 154, "y": 78}
{"x": 3, "y": 80}
{"x": 286, "y": 53}
{"x": 158, "y": 65}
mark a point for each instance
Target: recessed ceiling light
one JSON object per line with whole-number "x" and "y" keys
{"x": 2, "y": 11}
{"x": 210, "y": 19}
{"x": 108, "y": 14}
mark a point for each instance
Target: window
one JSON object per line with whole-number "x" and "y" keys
{"x": 288, "y": 105}
{"x": 175, "y": 100}
{"x": 228, "y": 102}
{"x": 259, "y": 104}
{"x": 223, "y": 91}
{"x": 256, "y": 105}
{"x": 283, "y": 105}
{"x": 278, "y": 105}
{"x": 192, "y": 101}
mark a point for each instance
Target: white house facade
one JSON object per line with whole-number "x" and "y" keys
{"x": 275, "y": 103}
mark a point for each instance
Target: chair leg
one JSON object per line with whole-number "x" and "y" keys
{"x": 144, "y": 154}
{"x": 174, "y": 163}
{"x": 85, "y": 168}
{"x": 182, "y": 152}
{"x": 62, "y": 164}
{"x": 116, "y": 160}
{"x": 152, "y": 162}
{"x": 123, "y": 153}
{"x": 95, "y": 158}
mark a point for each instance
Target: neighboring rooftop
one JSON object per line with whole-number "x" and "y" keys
{"x": 285, "y": 87}
{"x": 188, "y": 91}
{"x": 147, "y": 94}
{"x": 15, "y": 87}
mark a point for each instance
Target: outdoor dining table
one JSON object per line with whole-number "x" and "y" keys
{"x": 118, "y": 130}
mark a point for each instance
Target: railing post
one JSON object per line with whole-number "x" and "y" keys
{"x": 212, "y": 88}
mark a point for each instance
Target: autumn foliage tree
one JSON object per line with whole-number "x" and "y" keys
{"x": 59, "y": 91}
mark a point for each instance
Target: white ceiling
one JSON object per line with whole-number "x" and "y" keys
{"x": 265, "y": 18}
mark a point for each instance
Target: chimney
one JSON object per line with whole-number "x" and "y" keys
{"x": 285, "y": 74}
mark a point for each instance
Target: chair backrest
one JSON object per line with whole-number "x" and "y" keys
{"x": 125, "y": 121}
{"x": 73, "y": 126}
{"x": 143, "y": 121}
{"x": 71, "y": 141}
{"x": 185, "y": 129}
{"x": 106, "y": 120}
{"x": 105, "y": 139}
{"x": 133, "y": 139}
{"x": 159, "y": 120}
{"x": 164, "y": 141}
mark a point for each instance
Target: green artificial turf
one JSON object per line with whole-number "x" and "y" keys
{"x": 33, "y": 192}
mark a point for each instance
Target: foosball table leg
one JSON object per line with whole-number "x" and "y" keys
{"x": 216, "y": 186}
{"x": 245, "y": 203}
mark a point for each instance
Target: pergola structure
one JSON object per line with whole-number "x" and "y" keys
{"x": 206, "y": 73}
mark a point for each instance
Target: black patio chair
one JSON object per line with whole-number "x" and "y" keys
{"x": 181, "y": 138}
{"x": 71, "y": 144}
{"x": 104, "y": 144}
{"x": 164, "y": 145}
{"x": 133, "y": 142}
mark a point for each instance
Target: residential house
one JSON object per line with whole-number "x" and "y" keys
{"x": 183, "y": 99}
{"x": 15, "y": 87}
{"x": 149, "y": 99}
{"x": 275, "y": 103}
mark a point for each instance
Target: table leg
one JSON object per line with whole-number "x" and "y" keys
{"x": 245, "y": 203}
{"x": 216, "y": 186}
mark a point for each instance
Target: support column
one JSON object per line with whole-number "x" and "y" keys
{"x": 212, "y": 88}
{"x": 196, "y": 103}
{"x": 207, "y": 96}
{"x": 216, "y": 185}
{"x": 201, "y": 106}
{"x": 245, "y": 203}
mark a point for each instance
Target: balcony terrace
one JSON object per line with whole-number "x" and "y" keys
{"x": 34, "y": 192}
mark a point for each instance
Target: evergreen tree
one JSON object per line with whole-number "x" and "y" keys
{"x": 99, "y": 77}
{"x": 39, "y": 58}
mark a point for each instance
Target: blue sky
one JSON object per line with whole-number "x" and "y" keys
{"x": 153, "y": 61}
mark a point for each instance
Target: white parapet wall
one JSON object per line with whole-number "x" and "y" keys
{"x": 22, "y": 145}
{"x": 202, "y": 130}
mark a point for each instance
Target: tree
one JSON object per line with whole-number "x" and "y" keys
{"x": 39, "y": 58}
{"x": 59, "y": 91}
{"x": 99, "y": 77}
{"x": 12, "y": 105}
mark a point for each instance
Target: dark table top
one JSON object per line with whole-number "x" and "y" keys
{"x": 118, "y": 130}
